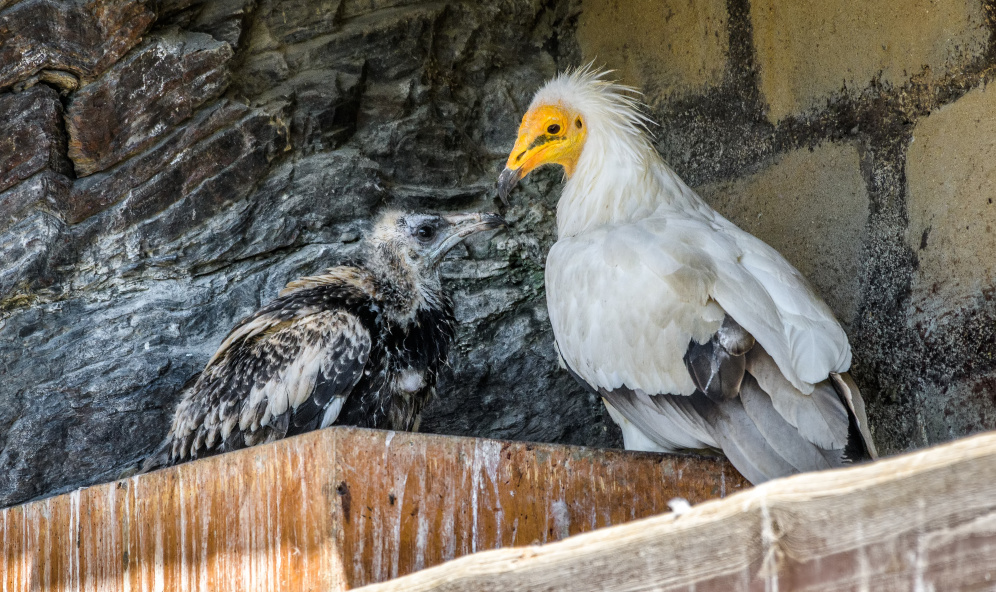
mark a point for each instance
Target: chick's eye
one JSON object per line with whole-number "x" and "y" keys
{"x": 425, "y": 232}
{"x": 553, "y": 129}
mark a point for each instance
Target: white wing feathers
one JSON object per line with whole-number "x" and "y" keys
{"x": 775, "y": 303}
{"x": 615, "y": 305}
{"x": 626, "y": 299}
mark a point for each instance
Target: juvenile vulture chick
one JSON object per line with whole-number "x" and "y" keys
{"x": 356, "y": 345}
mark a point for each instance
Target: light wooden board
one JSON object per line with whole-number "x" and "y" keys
{"x": 335, "y": 509}
{"x": 921, "y": 522}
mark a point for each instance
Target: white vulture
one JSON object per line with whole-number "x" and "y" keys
{"x": 696, "y": 334}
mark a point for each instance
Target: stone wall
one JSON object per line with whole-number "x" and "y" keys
{"x": 859, "y": 138}
{"x": 167, "y": 165}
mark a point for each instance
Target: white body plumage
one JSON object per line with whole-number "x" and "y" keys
{"x": 643, "y": 268}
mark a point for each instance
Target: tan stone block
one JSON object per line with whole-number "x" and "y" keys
{"x": 669, "y": 48}
{"x": 809, "y": 50}
{"x": 951, "y": 174}
{"x": 812, "y": 206}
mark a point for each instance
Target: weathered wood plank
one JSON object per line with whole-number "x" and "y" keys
{"x": 333, "y": 510}
{"x": 922, "y": 521}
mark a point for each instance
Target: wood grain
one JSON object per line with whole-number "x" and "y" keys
{"x": 334, "y": 510}
{"x": 923, "y": 521}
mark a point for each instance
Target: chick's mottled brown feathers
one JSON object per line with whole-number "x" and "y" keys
{"x": 280, "y": 369}
{"x": 358, "y": 345}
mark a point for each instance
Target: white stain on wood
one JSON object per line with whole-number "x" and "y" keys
{"x": 158, "y": 567}
{"x": 74, "y": 540}
{"x": 448, "y": 525}
{"x": 561, "y": 518}
{"x": 273, "y": 517}
{"x": 487, "y": 454}
{"x": 923, "y": 521}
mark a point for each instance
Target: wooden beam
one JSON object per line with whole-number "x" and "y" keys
{"x": 922, "y": 521}
{"x": 333, "y": 510}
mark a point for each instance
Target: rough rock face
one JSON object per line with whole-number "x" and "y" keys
{"x": 167, "y": 165}
{"x": 68, "y": 36}
{"x": 201, "y": 154}
{"x": 162, "y": 83}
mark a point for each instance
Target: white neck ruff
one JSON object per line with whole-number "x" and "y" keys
{"x": 619, "y": 176}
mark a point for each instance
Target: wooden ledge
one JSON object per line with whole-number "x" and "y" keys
{"x": 335, "y": 509}
{"x": 922, "y": 521}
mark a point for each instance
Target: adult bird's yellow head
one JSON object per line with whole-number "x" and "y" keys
{"x": 549, "y": 134}
{"x": 575, "y": 113}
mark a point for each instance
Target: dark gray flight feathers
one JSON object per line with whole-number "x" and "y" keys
{"x": 357, "y": 345}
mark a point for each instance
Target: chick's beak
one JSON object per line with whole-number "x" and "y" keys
{"x": 463, "y": 225}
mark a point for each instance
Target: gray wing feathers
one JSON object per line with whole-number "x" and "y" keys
{"x": 745, "y": 445}
{"x": 790, "y": 443}
{"x": 819, "y": 416}
{"x": 670, "y": 421}
{"x": 747, "y": 407}
{"x": 714, "y": 370}
{"x": 717, "y": 366}
{"x": 832, "y": 409}
{"x": 750, "y": 432}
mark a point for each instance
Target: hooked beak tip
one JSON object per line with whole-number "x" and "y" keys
{"x": 506, "y": 181}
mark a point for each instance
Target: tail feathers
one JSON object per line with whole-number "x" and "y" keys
{"x": 860, "y": 446}
{"x": 158, "y": 459}
{"x": 746, "y": 447}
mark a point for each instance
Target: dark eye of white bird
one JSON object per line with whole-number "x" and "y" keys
{"x": 553, "y": 129}
{"x": 425, "y": 232}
